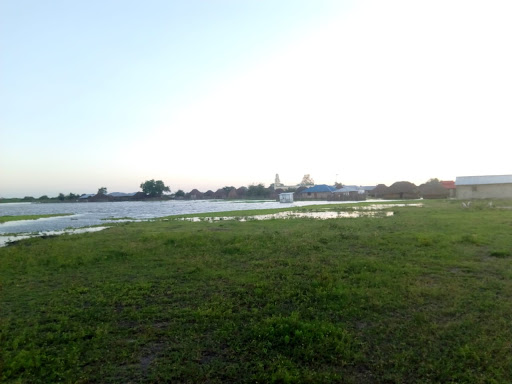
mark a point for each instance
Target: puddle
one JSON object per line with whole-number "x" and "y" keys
{"x": 290, "y": 215}
{"x": 4, "y": 240}
{"x": 384, "y": 206}
{"x": 353, "y": 212}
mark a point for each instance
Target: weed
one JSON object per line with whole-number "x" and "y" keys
{"x": 412, "y": 297}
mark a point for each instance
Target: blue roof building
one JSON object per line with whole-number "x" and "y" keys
{"x": 350, "y": 188}
{"x": 319, "y": 188}
{"x": 321, "y": 192}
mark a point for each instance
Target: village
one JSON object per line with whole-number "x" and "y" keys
{"x": 464, "y": 188}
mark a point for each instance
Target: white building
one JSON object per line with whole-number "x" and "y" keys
{"x": 484, "y": 187}
{"x": 286, "y": 197}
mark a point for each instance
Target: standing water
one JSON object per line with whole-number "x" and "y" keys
{"x": 88, "y": 214}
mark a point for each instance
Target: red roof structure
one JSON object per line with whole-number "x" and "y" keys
{"x": 448, "y": 184}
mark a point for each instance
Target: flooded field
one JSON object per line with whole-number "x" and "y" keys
{"x": 354, "y": 212}
{"x": 5, "y": 240}
{"x": 87, "y": 215}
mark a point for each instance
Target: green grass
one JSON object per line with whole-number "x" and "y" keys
{"x": 424, "y": 296}
{"x": 4, "y": 219}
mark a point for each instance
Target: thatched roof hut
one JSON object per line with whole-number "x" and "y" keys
{"x": 241, "y": 192}
{"x": 433, "y": 190}
{"x": 221, "y": 193}
{"x": 100, "y": 197}
{"x": 209, "y": 194}
{"x": 379, "y": 191}
{"x": 232, "y": 194}
{"x": 402, "y": 190}
{"x": 139, "y": 196}
{"x": 194, "y": 194}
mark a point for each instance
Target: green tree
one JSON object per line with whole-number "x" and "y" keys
{"x": 257, "y": 190}
{"x": 44, "y": 197}
{"x": 228, "y": 189}
{"x": 154, "y": 188}
{"x": 102, "y": 191}
{"x": 180, "y": 193}
{"x": 307, "y": 181}
{"x": 61, "y": 196}
{"x": 72, "y": 196}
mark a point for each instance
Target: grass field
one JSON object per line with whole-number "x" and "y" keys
{"x": 423, "y": 296}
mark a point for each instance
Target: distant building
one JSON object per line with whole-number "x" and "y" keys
{"x": 122, "y": 194}
{"x": 286, "y": 197}
{"x": 484, "y": 187}
{"x": 209, "y": 194}
{"x": 278, "y": 185}
{"x": 194, "y": 194}
{"x": 379, "y": 191}
{"x": 232, "y": 194}
{"x": 350, "y": 193}
{"x": 321, "y": 192}
{"x": 401, "y": 190}
{"x": 450, "y": 186}
{"x": 368, "y": 188}
{"x": 220, "y": 194}
{"x": 433, "y": 190}
{"x": 114, "y": 196}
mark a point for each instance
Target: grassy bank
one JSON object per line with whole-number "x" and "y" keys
{"x": 4, "y": 219}
{"x": 422, "y": 296}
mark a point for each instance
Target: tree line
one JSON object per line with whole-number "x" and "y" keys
{"x": 157, "y": 189}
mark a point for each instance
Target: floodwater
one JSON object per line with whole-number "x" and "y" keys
{"x": 90, "y": 214}
{"x": 293, "y": 215}
{"x": 4, "y": 240}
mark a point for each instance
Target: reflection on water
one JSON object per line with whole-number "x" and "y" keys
{"x": 89, "y": 214}
{"x": 291, "y": 215}
{"x": 352, "y": 212}
{"x": 16, "y": 234}
{"x": 4, "y": 240}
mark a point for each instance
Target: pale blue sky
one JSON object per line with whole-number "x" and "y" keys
{"x": 212, "y": 93}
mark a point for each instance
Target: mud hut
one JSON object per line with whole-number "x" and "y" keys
{"x": 402, "y": 190}
{"x": 220, "y": 194}
{"x": 379, "y": 191}
{"x": 232, "y": 194}
{"x": 209, "y": 194}
{"x": 194, "y": 194}
{"x": 433, "y": 190}
{"x": 450, "y": 186}
{"x": 139, "y": 196}
{"x": 241, "y": 192}
{"x": 100, "y": 197}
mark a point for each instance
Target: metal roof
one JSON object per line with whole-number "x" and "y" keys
{"x": 349, "y": 188}
{"x": 448, "y": 184}
{"x": 319, "y": 188}
{"x": 479, "y": 180}
{"x": 122, "y": 194}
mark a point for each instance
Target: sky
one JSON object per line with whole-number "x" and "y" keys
{"x": 213, "y": 93}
